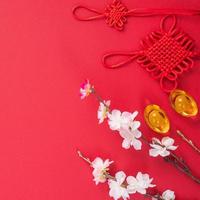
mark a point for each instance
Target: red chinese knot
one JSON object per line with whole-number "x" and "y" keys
{"x": 166, "y": 54}
{"x": 116, "y": 15}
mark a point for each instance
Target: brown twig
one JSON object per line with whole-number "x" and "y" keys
{"x": 157, "y": 196}
{"x": 99, "y": 98}
{"x": 179, "y": 166}
{"x": 181, "y": 161}
{"x": 84, "y": 158}
{"x": 188, "y": 141}
{"x": 178, "y": 162}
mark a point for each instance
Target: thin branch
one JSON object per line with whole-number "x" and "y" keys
{"x": 99, "y": 98}
{"x": 178, "y": 162}
{"x": 181, "y": 168}
{"x": 157, "y": 196}
{"x": 181, "y": 161}
{"x": 188, "y": 141}
{"x": 84, "y": 158}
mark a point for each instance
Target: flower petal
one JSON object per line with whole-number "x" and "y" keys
{"x": 137, "y": 144}
{"x": 164, "y": 153}
{"x": 126, "y": 144}
{"x": 120, "y": 177}
{"x": 114, "y": 120}
{"x": 132, "y": 184}
{"x": 167, "y": 141}
{"x": 137, "y": 133}
{"x": 102, "y": 112}
{"x": 97, "y": 162}
{"x": 131, "y": 180}
{"x": 114, "y": 190}
{"x": 156, "y": 146}
{"x": 134, "y": 115}
{"x": 168, "y": 195}
{"x": 135, "y": 125}
{"x": 139, "y": 176}
{"x": 126, "y": 134}
{"x": 172, "y": 148}
{"x": 127, "y": 116}
{"x": 154, "y": 152}
{"x": 107, "y": 163}
{"x": 125, "y": 194}
{"x": 141, "y": 190}
{"x": 116, "y": 113}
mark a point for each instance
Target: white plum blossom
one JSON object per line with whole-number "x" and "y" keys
{"x": 100, "y": 168}
{"x": 131, "y": 138}
{"x": 162, "y": 147}
{"x": 115, "y": 120}
{"x": 168, "y": 195}
{"x": 118, "y": 120}
{"x": 139, "y": 184}
{"x": 103, "y": 111}
{"x": 117, "y": 190}
{"x": 121, "y": 186}
{"x": 86, "y": 89}
{"x": 127, "y": 126}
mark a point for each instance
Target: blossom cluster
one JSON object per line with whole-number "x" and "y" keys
{"x": 163, "y": 147}
{"x": 85, "y": 89}
{"x": 121, "y": 186}
{"x": 123, "y": 122}
{"x": 127, "y": 125}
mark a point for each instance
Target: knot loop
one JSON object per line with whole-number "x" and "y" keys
{"x": 129, "y": 57}
{"x": 195, "y": 54}
{"x": 80, "y": 8}
{"x": 166, "y": 54}
{"x": 163, "y": 23}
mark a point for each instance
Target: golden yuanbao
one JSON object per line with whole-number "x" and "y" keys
{"x": 183, "y": 103}
{"x": 156, "y": 119}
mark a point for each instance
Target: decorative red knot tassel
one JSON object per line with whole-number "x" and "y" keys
{"x": 116, "y": 13}
{"x": 165, "y": 54}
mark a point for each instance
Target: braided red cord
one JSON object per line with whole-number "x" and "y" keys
{"x": 196, "y": 55}
{"x": 166, "y": 54}
{"x": 129, "y": 58}
{"x": 145, "y": 12}
{"x": 97, "y": 15}
{"x": 116, "y": 13}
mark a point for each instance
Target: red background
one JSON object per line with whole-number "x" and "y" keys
{"x": 45, "y": 55}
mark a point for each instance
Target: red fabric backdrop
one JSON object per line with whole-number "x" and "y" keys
{"x": 45, "y": 54}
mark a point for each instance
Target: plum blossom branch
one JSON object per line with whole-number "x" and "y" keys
{"x": 164, "y": 148}
{"x": 128, "y": 129}
{"x": 123, "y": 122}
{"x": 121, "y": 186}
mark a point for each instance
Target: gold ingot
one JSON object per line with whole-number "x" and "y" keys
{"x": 156, "y": 119}
{"x": 183, "y": 103}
